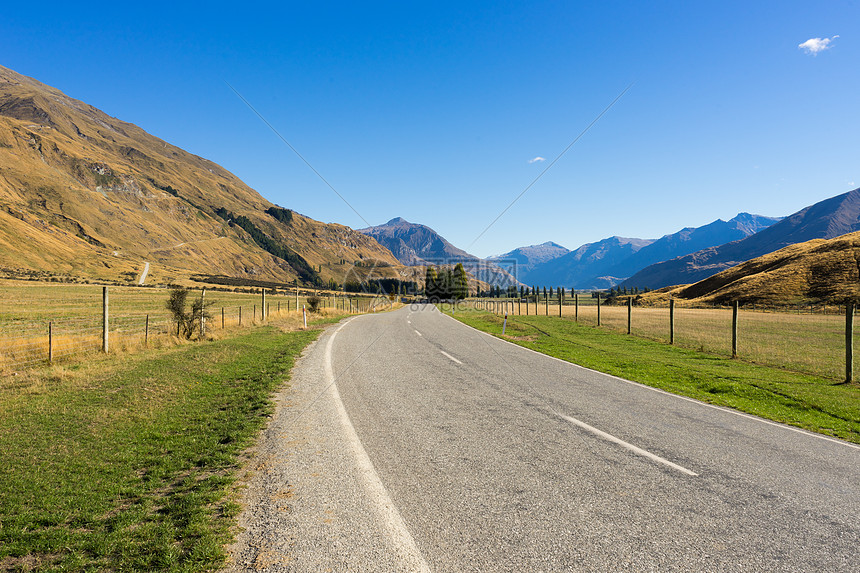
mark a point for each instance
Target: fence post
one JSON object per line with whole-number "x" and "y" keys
{"x": 146, "y": 332}
{"x": 240, "y": 316}
{"x": 546, "y": 301}
{"x": 263, "y": 309}
{"x": 576, "y": 307}
{"x": 671, "y": 321}
{"x": 559, "y": 302}
{"x": 598, "y": 308}
{"x": 105, "y": 341}
{"x": 735, "y": 329}
{"x": 849, "y": 342}
{"x": 304, "y": 316}
{"x": 50, "y": 342}
{"x": 629, "y": 313}
{"x": 222, "y": 318}
{"x": 203, "y": 313}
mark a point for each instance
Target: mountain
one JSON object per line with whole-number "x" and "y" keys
{"x": 820, "y": 270}
{"x": 607, "y": 263}
{"x": 525, "y": 259}
{"x": 86, "y": 196}
{"x": 589, "y": 266}
{"x": 419, "y": 245}
{"x": 826, "y": 219}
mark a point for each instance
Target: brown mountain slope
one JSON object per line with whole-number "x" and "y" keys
{"x": 87, "y": 195}
{"x": 820, "y": 270}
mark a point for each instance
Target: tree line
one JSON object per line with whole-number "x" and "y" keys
{"x": 445, "y": 283}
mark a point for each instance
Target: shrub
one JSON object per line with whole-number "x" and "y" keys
{"x": 187, "y": 322}
{"x": 314, "y": 303}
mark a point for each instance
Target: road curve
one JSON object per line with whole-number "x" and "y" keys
{"x": 408, "y": 441}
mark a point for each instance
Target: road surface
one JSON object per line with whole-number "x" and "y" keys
{"x": 410, "y": 442}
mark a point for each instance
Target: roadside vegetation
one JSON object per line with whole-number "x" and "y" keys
{"x": 810, "y": 402}
{"x": 126, "y": 462}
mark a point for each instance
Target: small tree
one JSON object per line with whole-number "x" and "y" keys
{"x": 187, "y": 322}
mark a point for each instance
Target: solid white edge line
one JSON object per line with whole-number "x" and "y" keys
{"x": 411, "y": 558}
{"x": 626, "y": 445}
{"x": 450, "y": 357}
{"x": 665, "y": 393}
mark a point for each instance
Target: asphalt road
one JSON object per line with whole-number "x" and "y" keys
{"x": 408, "y": 441}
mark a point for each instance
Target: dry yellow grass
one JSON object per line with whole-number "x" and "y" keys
{"x": 806, "y": 342}
{"x": 74, "y": 313}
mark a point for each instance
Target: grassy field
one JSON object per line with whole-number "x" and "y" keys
{"x": 75, "y": 314}
{"x": 125, "y": 463}
{"x": 812, "y": 402}
{"x": 813, "y": 343}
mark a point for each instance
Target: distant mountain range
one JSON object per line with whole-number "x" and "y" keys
{"x": 419, "y": 245}
{"x": 525, "y": 259}
{"x": 824, "y": 220}
{"x": 605, "y": 263}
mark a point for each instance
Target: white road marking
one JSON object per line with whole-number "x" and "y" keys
{"x": 403, "y": 542}
{"x": 418, "y": 333}
{"x": 623, "y": 444}
{"x": 449, "y": 356}
{"x": 685, "y": 398}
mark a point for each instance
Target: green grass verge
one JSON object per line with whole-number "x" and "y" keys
{"x": 125, "y": 463}
{"x": 802, "y": 400}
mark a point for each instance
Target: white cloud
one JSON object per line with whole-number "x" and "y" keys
{"x": 537, "y": 159}
{"x": 815, "y": 45}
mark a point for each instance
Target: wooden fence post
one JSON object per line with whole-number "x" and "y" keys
{"x": 50, "y": 342}
{"x": 146, "y": 332}
{"x": 671, "y": 321}
{"x": 546, "y": 302}
{"x": 849, "y": 342}
{"x": 629, "y": 313}
{"x": 735, "y": 329}
{"x": 105, "y": 341}
{"x": 203, "y": 313}
{"x": 559, "y": 302}
{"x": 598, "y": 308}
{"x": 576, "y": 307}
{"x": 263, "y": 309}
{"x": 240, "y": 316}
{"x": 222, "y": 318}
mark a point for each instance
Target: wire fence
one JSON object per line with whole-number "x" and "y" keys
{"x": 809, "y": 339}
{"x": 47, "y": 322}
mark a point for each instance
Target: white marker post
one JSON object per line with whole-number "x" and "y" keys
{"x": 505, "y": 324}
{"x": 304, "y": 316}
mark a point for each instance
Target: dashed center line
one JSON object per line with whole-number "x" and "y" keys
{"x": 623, "y": 444}
{"x": 450, "y": 357}
{"x": 418, "y": 333}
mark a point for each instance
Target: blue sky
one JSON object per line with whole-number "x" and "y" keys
{"x": 433, "y": 111}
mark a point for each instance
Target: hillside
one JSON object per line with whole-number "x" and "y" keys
{"x": 820, "y": 270}
{"x": 824, "y": 220}
{"x": 418, "y": 245}
{"x": 86, "y": 196}
{"x": 610, "y": 261}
